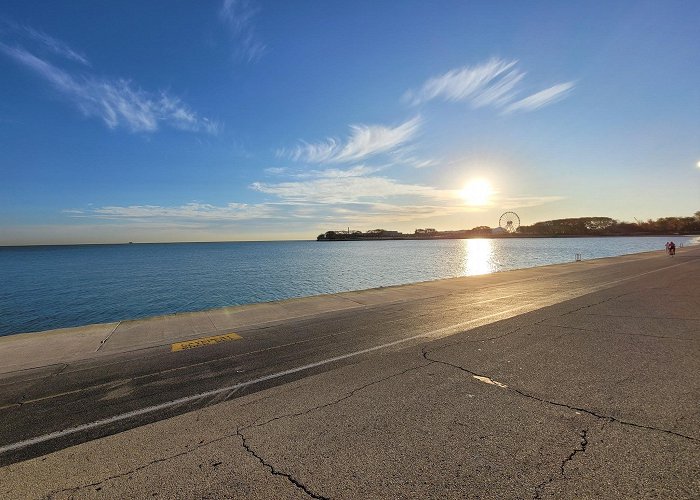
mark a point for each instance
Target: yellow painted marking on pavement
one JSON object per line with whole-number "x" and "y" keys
{"x": 204, "y": 341}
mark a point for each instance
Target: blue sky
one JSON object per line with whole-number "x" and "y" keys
{"x": 251, "y": 120}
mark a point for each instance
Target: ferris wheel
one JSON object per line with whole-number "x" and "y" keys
{"x": 509, "y": 221}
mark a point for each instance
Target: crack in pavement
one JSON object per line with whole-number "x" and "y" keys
{"x": 581, "y": 448}
{"x": 347, "y": 396}
{"x": 563, "y": 405}
{"x": 291, "y": 478}
{"x": 670, "y": 318}
{"x": 665, "y": 337}
{"x": 276, "y": 472}
{"x": 201, "y": 444}
{"x": 607, "y": 299}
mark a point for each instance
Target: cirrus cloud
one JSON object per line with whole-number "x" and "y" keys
{"x": 363, "y": 142}
{"x": 238, "y": 16}
{"x": 118, "y": 103}
{"x": 329, "y": 191}
{"x": 495, "y": 83}
{"x": 541, "y": 98}
{"x": 190, "y": 211}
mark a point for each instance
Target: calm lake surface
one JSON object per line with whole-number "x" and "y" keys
{"x": 50, "y": 287}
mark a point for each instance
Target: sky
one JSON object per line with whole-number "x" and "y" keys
{"x": 266, "y": 120}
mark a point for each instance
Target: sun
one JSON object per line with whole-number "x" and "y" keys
{"x": 477, "y": 192}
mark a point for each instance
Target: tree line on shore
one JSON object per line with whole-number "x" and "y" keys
{"x": 606, "y": 226}
{"x": 579, "y": 226}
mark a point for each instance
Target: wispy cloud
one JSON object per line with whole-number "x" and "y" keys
{"x": 363, "y": 142}
{"x": 528, "y": 201}
{"x": 379, "y": 214}
{"x": 542, "y": 98}
{"x": 188, "y": 212}
{"x": 238, "y": 16}
{"x": 276, "y": 170}
{"x": 56, "y": 46}
{"x": 327, "y": 190}
{"x": 116, "y": 102}
{"x": 407, "y": 156}
{"x": 343, "y": 173}
{"x": 495, "y": 83}
{"x": 41, "y": 41}
{"x": 481, "y": 84}
{"x": 326, "y": 173}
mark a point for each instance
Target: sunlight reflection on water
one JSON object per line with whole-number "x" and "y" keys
{"x": 478, "y": 257}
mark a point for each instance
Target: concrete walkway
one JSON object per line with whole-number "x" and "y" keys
{"x": 587, "y": 385}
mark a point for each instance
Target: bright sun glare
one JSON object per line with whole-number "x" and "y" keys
{"x": 477, "y": 192}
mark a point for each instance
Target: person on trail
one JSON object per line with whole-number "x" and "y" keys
{"x": 668, "y": 246}
{"x": 672, "y": 248}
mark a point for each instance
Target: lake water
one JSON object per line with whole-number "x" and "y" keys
{"x": 50, "y": 287}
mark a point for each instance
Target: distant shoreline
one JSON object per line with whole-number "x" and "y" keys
{"x": 412, "y": 237}
{"x": 577, "y": 227}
